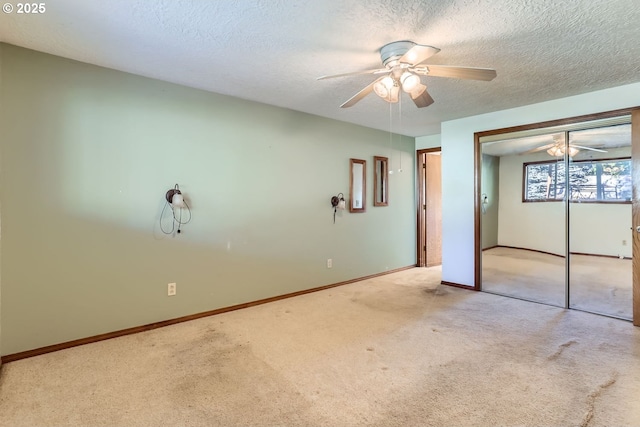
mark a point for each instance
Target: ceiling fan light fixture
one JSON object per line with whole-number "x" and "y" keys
{"x": 381, "y": 90}
{"x": 409, "y": 81}
{"x": 556, "y": 151}
{"x": 383, "y": 87}
{"x": 418, "y": 90}
{"x": 559, "y": 151}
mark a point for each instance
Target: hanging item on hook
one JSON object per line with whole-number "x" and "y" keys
{"x": 177, "y": 203}
{"x": 337, "y": 202}
{"x": 175, "y": 197}
{"x": 485, "y": 203}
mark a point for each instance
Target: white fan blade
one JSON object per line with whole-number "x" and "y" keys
{"x": 355, "y": 73}
{"x": 588, "y": 148}
{"x": 358, "y": 96}
{"x": 423, "y": 100}
{"x": 417, "y": 54}
{"x": 469, "y": 73}
{"x": 544, "y": 147}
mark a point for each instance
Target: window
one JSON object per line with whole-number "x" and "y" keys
{"x": 607, "y": 180}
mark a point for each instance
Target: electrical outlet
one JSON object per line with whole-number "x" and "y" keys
{"x": 624, "y": 243}
{"x": 329, "y": 263}
{"x": 171, "y": 289}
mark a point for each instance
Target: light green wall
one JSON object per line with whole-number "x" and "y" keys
{"x": 429, "y": 141}
{"x": 491, "y": 188}
{"x": 88, "y": 154}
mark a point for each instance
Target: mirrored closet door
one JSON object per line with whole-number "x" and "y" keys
{"x": 555, "y": 221}
{"x": 600, "y": 221}
{"x": 523, "y": 227}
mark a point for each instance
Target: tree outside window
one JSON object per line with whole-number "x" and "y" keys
{"x": 589, "y": 181}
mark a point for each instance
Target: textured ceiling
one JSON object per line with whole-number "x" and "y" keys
{"x": 272, "y": 51}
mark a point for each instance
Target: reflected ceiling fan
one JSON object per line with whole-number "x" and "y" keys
{"x": 557, "y": 148}
{"x": 403, "y": 66}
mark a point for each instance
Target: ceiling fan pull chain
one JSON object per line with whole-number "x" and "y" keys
{"x": 400, "y": 135}
{"x": 390, "y": 139}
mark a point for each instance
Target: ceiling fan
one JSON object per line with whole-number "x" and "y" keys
{"x": 403, "y": 66}
{"x": 558, "y": 149}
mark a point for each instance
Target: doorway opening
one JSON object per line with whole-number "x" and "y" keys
{"x": 429, "y": 235}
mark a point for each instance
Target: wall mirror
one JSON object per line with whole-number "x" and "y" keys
{"x": 380, "y": 181}
{"x": 357, "y": 185}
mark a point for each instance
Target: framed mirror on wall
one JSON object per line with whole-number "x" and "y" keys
{"x": 357, "y": 185}
{"x": 381, "y": 181}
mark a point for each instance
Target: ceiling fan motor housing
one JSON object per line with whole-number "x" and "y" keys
{"x": 394, "y": 51}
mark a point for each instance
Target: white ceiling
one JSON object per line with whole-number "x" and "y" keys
{"x": 604, "y": 138}
{"x": 272, "y": 51}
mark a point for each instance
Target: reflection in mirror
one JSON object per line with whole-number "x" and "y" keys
{"x": 523, "y": 243}
{"x": 380, "y": 181}
{"x": 556, "y": 216}
{"x": 600, "y": 219}
{"x": 357, "y": 185}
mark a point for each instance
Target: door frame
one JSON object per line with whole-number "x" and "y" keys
{"x": 635, "y": 211}
{"x": 421, "y": 239}
{"x": 635, "y": 158}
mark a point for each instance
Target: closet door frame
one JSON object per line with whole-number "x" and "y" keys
{"x": 635, "y": 142}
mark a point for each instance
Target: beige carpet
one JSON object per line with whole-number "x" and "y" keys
{"x": 598, "y": 284}
{"x": 398, "y": 350}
